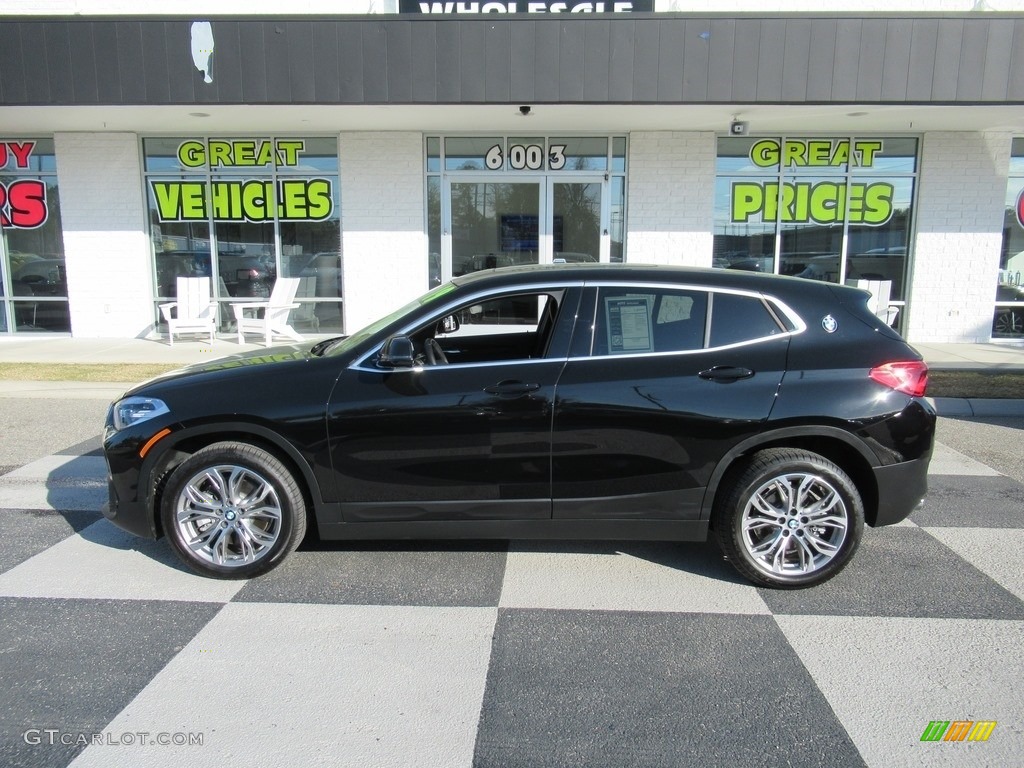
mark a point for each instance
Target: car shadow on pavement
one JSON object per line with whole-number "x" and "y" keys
{"x": 105, "y": 534}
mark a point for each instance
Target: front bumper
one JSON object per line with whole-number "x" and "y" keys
{"x": 901, "y": 487}
{"x": 132, "y": 516}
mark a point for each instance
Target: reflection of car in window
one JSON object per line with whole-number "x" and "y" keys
{"x": 1008, "y": 321}
{"x": 40, "y": 277}
{"x": 243, "y": 275}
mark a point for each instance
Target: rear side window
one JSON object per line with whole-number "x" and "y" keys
{"x": 649, "y": 320}
{"x": 735, "y": 319}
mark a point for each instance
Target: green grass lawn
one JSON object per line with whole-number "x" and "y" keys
{"x": 118, "y": 372}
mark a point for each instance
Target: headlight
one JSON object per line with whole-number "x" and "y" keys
{"x": 133, "y": 410}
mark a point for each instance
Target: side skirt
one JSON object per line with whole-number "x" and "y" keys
{"x": 602, "y": 530}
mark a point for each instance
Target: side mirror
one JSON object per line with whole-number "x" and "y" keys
{"x": 449, "y": 324}
{"x": 397, "y": 352}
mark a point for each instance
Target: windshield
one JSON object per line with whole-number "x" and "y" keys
{"x": 357, "y": 338}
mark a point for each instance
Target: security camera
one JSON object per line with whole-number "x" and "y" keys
{"x": 525, "y": 110}
{"x": 738, "y": 128}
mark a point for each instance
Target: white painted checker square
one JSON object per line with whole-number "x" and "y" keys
{"x": 56, "y": 482}
{"x": 104, "y": 562}
{"x": 996, "y": 552}
{"x": 687, "y": 578}
{"x": 317, "y": 685}
{"x": 946, "y": 461}
{"x": 886, "y": 679}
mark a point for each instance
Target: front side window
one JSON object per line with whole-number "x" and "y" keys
{"x": 836, "y": 209}
{"x": 1008, "y": 319}
{"x": 500, "y": 328}
{"x": 33, "y": 275}
{"x": 243, "y": 211}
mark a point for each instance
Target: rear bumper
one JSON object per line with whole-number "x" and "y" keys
{"x": 901, "y": 487}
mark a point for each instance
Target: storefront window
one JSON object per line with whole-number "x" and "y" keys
{"x": 823, "y": 208}
{"x": 33, "y": 276}
{"x": 1008, "y": 319}
{"x": 244, "y": 211}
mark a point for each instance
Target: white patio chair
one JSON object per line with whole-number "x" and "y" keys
{"x": 194, "y": 311}
{"x": 879, "y": 302}
{"x": 269, "y": 317}
{"x": 306, "y": 313}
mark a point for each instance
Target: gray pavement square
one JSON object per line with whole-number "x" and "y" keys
{"x": 972, "y": 502}
{"x": 27, "y": 532}
{"x": 386, "y": 573}
{"x": 902, "y": 571}
{"x": 72, "y": 665}
{"x": 615, "y": 688}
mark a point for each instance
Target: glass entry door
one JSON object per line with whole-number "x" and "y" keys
{"x": 500, "y": 223}
{"x": 578, "y": 231}
{"x": 494, "y": 224}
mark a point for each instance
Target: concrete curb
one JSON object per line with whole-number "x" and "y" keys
{"x": 66, "y": 390}
{"x": 977, "y": 406}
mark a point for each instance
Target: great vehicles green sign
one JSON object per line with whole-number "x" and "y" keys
{"x": 288, "y": 198}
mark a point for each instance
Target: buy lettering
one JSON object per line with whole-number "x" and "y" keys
{"x": 16, "y": 152}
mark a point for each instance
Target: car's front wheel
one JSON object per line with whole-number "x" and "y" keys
{"x": 232, "y": 511}
{"x": 789, "y": 518}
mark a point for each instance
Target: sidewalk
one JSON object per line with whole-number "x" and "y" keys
{"x": 25, "y": 348}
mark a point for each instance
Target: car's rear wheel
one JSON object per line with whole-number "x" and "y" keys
{"x": 789, "y": 518}
{"x": 232, "y": 511}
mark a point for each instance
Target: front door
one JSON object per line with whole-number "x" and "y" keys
{"x": 494, "y": 222}
{"x": 579, "y": 230}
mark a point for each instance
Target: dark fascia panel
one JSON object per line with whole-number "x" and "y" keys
{"x": 579, "y": 59}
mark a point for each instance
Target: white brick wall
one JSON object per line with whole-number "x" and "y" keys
{"x": 959, "y": 234}
{"x": 671, "y": 198}
{"x": 107, "y": 252}
{"x": 384, "y": 244}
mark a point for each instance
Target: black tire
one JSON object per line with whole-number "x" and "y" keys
{"x": 788, "y": 518}
{"x": 260, "y": 522}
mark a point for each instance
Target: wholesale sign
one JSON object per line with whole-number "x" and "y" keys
{"x": 445, "y": 7}
{"x": 291, "y": 198}
{"x": 22, "y": 201}
{"x": 813, "y": 202}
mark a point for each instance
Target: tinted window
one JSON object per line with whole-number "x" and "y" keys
{"x": 739, "y": 318}
{"x": 655, "y": 320}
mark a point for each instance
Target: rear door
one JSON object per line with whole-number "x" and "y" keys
{"x": 667, "y": 381}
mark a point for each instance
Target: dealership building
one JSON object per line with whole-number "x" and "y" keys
{"x": 376, "y": 148}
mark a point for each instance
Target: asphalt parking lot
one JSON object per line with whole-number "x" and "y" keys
{"x": 502, "y": 653}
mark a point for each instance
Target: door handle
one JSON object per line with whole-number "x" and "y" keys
{"x": 726, "y": 373}
{"x": 511, "y": 388}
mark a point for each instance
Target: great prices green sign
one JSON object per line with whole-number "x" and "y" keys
{"x": 813, "y": 202}
{"x": 288, "y": 198}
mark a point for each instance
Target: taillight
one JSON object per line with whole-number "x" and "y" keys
{"x": 909, "y": 377}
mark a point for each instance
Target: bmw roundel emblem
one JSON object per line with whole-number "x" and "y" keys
{"x": 829, "y": 324}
